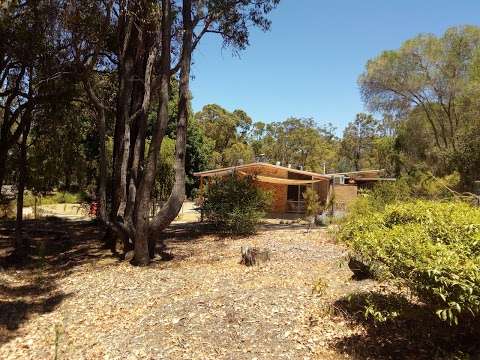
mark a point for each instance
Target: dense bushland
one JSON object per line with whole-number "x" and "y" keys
{"x": 234, "y": 205}
{"x": 432, "y": 247}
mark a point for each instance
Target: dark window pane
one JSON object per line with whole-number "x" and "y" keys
{"x": 292, "y": 192}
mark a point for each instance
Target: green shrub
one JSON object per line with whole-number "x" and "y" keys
{"x": 312, "y": 204}
{"x": 417, "y": 186}
{"x": 427, "y": 186}
{"x": 54, "y": 198}
{"x": 432, "y": 247}
{"x": 380, "y": 195}
{"x": 234, "y": 204}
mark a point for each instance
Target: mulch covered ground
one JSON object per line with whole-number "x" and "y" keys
{"x": 76, "y": 301}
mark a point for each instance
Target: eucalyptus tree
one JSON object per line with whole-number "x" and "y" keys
{"x": 228, "y": 131}
{"x": 27, "y": 67}
{"x": 297, "y": 141}
{"x": 154, "y": 41}
{"x": 230, "y": 20}
{"x": 432, "y": 75}
{"x": 31, "y": 66}
{"x": 358, "y": 141}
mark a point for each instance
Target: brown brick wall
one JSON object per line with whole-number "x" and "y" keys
{"x": 344, "y": 194}
{"x": 322, "y": 189}
{"x": 279, "y": 196}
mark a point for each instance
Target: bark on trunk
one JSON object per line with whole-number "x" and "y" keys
{"x": 3, "y": 163}
{"x": 102, "y": 171}
{"x": 22, "y": 244}
{"x": 143, "y": 252}
{"x": 174, "y": 203}
{"x": 146, "y": 233}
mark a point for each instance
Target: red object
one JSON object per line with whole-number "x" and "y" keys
{"x": 93, "y": 209}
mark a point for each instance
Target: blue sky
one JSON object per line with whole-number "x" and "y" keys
{"x": 308, "y": 64}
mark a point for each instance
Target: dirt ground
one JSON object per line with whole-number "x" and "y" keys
{"x": 76, "y": 301}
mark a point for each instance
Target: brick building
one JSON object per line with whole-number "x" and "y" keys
{"x": 288, "y": 185}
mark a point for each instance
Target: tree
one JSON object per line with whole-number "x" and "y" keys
{"x": 147, "y": 50}
{"x": 435, "y": 78}
{"x": 357, "y": 144}
{"x": 122, "y": 55}
{"x": 29, "y": 64}
{"x": 229, "y": 133}
{"x": 299, "y": 142}
{"x": 239, "y": 153}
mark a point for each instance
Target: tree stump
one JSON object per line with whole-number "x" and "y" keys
{"x": 253, "y": 256}
{"x": 129, "y": 255}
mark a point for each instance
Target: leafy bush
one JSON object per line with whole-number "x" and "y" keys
{"x": 54, "y": 198}
{"x": 419, "y": 185}
{"x": 312, "y": 203}
{"x": 430, "y": 187}
{"x": 234, "y": 204}
{"x": 432, "y": 247}
{"x": 382, "y": 194}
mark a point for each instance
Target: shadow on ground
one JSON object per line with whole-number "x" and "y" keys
{"x": 416, "y": 333}
{"x": 57, "y": 247}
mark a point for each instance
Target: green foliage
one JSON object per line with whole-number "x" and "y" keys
{"x": 432, "y": 247}
{"x": 166, "y": 173}
{"x": 411, "y": 84}
{"x": 228, "y": 134}
{"x": 418, "y": 185}
{"x": 54, "y": 198}
{"x": 378, "y": 315}
{"x": 382, "y": 194}
{"x": 296, "y": 141}
{"x": 358, "y": 141}
{"x": 234, "y": 204}
{"x": 312, "y": 204}
{"x": 378, "y": 307}
{"x": 237, "y": 153}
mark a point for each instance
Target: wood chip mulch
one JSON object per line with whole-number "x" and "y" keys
{"x": 203, "y": 304}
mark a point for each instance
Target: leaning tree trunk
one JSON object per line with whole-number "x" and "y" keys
{"x": 100, "y": 110}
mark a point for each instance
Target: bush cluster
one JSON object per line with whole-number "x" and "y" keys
{"x": 54, "y": 198}
{"x": 433, "y": 247}
{"x": 415, "y": 186}
{"x": 234, "y": 204}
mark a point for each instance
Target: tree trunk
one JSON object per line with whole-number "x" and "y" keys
{"x": 146, "y": 233}
{"x": 68, "y": 178}
{"x": 252, "y": 256}
{"x": 100, "y": 108}
{"x": 143, "y": 249}
{"x": 174, "y": 203}
{"x": 109, "y": 238}
{"x": 3, "y": 164}
{"x": 102, "y": 171}
{"x": 22, "y": 244}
